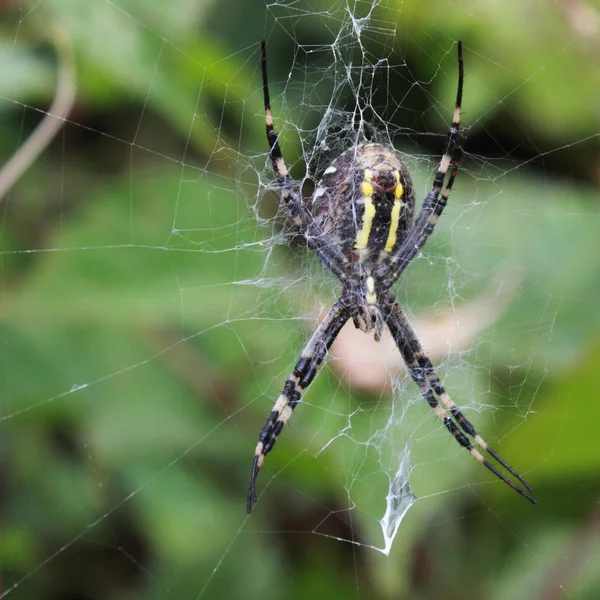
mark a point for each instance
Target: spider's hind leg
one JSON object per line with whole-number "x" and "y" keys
{"x": 422, "y": 373}
{"x": 463, "y": 422}
{"x": 303, "y": 374}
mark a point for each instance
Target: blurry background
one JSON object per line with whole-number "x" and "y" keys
{"x": 151, "y": 308}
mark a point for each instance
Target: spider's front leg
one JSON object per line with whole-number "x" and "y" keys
{"x": 422, "y": 373}
{"x": 328, "y": 254}
{"x": 303, "y": 374}
{"x": 435, "y": 201}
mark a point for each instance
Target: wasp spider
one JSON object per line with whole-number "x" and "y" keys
{"x": 360, "y": 225}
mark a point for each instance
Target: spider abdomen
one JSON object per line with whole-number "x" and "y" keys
{"x": 364, "y": 203}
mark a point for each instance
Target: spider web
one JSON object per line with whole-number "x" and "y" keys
{"x": 154, "y": 304}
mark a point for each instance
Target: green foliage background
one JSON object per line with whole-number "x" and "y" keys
{"x": 134, "y": 378}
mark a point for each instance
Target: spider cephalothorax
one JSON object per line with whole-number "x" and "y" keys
{"x": 359, "y": 223}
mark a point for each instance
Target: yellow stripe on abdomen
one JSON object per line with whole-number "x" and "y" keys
{"x": 362, "y": 235}
{"x": 395, "y": 216}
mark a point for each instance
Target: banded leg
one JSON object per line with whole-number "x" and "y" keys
{"x": 433, "y": 204}
{"x": 303, "y": 374}
{"x": 330, "y": 256}
{"x": 438, "y": 388}
{"x": 422, "y": 373}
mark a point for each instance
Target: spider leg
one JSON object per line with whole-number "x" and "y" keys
{"x": 301, "y": 377}
{"x": 330, "y": 256}
{"x": 433, "y": 205}
{"x": 421, "y": 371}
{"x": 438, "y": 388}
{"x": 464, "y": 423}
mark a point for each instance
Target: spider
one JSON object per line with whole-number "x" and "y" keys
{"x": 360, "y": 225}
